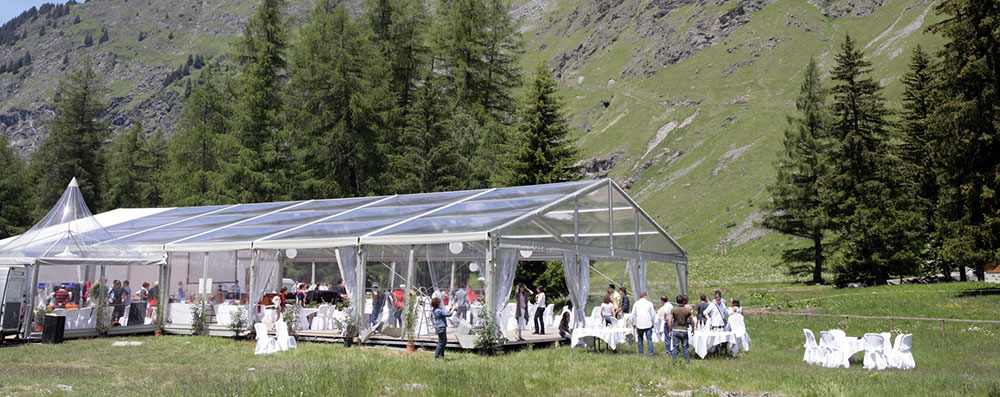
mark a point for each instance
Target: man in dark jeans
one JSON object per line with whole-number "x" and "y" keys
{"x": 680, "y": 318}
{"x": 626, "y": 307}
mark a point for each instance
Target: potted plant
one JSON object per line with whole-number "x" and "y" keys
{"x": 291, "y": 317}
{"x": 40, "y": 317}
{"x": 348, "y": 326}
{"x": 410, "y": 320}
{"x": 238, "y": 323}
{"x": 489, "y": 336}
{"x": 199, "y": 316}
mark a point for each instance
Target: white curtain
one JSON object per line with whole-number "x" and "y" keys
{"x": 682, "y": 278}
{"x": 503, "y": 276}
{"x": 347, "y": 260}
{"x": 637, "y": 270}
{"x": 576, "y": 269}
{"x": 266, "y": 277}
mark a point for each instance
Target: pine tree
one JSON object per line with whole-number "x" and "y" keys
{"x": 968, "y": 112}
{"x": 341, "y": 97}
{"x": 399, "y": 29}
{"x": 796, "y": 208}
{"x": 15, "y": 195}
{"x": 156, "y": 149}
{"x": 126, "y": 169}
{"x": 88, "y": 40}
{"x": 256, "y": 167}
{"x": 104, "y": 36}
{"x": 193, "y": 173}
{"x": 74, "y": 145}
{"x": 918, "y": 153}
{"x": 428, "y": 161}
{"x": 864, "y": 192}
{"x": 541, "y": 150}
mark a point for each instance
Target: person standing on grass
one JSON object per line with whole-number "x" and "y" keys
{"x": 717, "y": 313}
{"x": 664, "y": 314}
{"x": 440, "y": 326}
{"x": 680, "y": 319}
{"x": 539, "y": 312}
{"x": 616, "y": 298}
{"x": 522, "y": 309}
{"x": 625, "y": 304}
{"x": 702, "y": 306}
{"x": 643, "y": 318}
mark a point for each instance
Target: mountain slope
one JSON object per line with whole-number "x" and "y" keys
{"x": 682, "y": 101}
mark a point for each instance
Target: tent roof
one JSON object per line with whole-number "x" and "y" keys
{"x": 69, "y": 233}
{"x": 593, "y": 217}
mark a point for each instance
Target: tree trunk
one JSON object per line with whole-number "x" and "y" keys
{"x": 818, "y": 270}
{"x": 981, "y": 272}
{"x": 961, "y": 273}
{"x": 881, "y": 276}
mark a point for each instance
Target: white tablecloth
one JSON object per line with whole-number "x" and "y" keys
{"x": 611, "y": 336}
{"x": 701, "y": 341}
{"x": 851, "y": 345}
{"x": 180, "y": 313}
{"x": 224, "y": 313}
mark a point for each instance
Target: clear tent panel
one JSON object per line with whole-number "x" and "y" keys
{"x": 159, "y": 220}
{"x": 222, "y": 278}
{"x": 624, "y": 226}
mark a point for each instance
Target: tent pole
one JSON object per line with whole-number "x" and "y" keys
{"x": 451, "y": 286}
{"x": 251, "y": 285}
{"x": 411, "y": 266}
{"x": 312, "y": 280}
{"x": 491, "y": 286}
{"x": 163, "y": 301}
{"x": 32, "y": 291}
{"x": 360, "y": 268}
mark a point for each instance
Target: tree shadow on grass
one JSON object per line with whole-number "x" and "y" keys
{"x": 974, "y": 292}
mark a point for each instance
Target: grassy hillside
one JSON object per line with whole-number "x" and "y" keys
{"x": 696, "y": 140}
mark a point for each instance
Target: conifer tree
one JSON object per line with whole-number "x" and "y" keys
{"x": 968, "y": 112}
{"x": 15, "y": 198}
{"x": 428, "y": 161}
{"x": 341, "y": 97}
{"x": 399, "y": 30}
{"x": 74, "y": 146}
{"x": 126, "y": 170}
{"x": 864, "y": 192}
{"x": 796, "y": 208}
{"x": 256, "y": 168}
{"x": 193, "y": 170}
{"x": 156, "y": 150}
{"x": 918, "y": 141}
{"x": 541, "y": 150}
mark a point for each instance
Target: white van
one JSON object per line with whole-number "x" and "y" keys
{"x": 13, "y": 298}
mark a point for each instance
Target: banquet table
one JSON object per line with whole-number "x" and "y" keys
{"x": 701, "y": 341}
{"x": 224, "y": 313}
{"x": 611, "y": 336}
{"x": 850, "y": 345}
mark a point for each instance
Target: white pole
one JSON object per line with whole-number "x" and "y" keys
{"x": 312, "y": 280}
{"x": 411, "y": 266}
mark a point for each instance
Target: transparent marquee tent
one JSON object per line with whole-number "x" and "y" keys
{"x": 428, "y": 242}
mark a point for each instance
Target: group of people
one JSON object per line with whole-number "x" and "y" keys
{"x": 680, "y": 320}
{"x": 615, "y": 305}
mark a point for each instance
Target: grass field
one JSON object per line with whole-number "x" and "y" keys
{"x": 963, "y": 362}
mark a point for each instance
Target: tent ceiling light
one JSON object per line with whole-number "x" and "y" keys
{"x": 456, "y": 248}
{"x": 291, "y": 252}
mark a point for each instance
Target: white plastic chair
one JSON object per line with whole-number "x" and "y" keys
{"x": 901, "y": 357}
{"x": 547, "y": 315}
{"x": 875, "y": 357}
{"x": 813, "y": 355}
{"x": 265, "y": 343}
{"x": 739, "y": 328}
{"x": 833, "y": 355}
{"x": 320, "y": 319}
{"x": 595, "y": 320}
{"x": 284, "y": 340}
{"x": 507, "y": 315}
{"x": 72, "y": 317}
{"x": 84, "y": 319}
{"x": 59, "y": 311}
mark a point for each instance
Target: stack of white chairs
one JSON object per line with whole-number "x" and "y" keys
{"x": 284, "y": 340}
{"x": 507, "y": 317}
{"x": 814, "y": 354}
{"x": 59, "y": 311}
{"x": 875, "y": 357}
{"x": 547, "y": 316}
{"x": 833, "y": 354}
{"x": 72, "y": 318}
{"x": 265, "y": 343}
{"x": 739, "y": 328}
{"x": 901, "y": 357}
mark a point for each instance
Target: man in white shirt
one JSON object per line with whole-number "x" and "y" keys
{"x": 664, "y": 314}
{"x": 644, "y": 317}
{"x": 717, "y": 312}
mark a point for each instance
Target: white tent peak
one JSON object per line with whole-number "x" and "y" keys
{"x": 73, "y": 183}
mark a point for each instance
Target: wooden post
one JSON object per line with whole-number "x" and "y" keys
{"x": 891, "y": 327}
{"x": 848, "y": 326}
{"x": 942, "y": 327}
